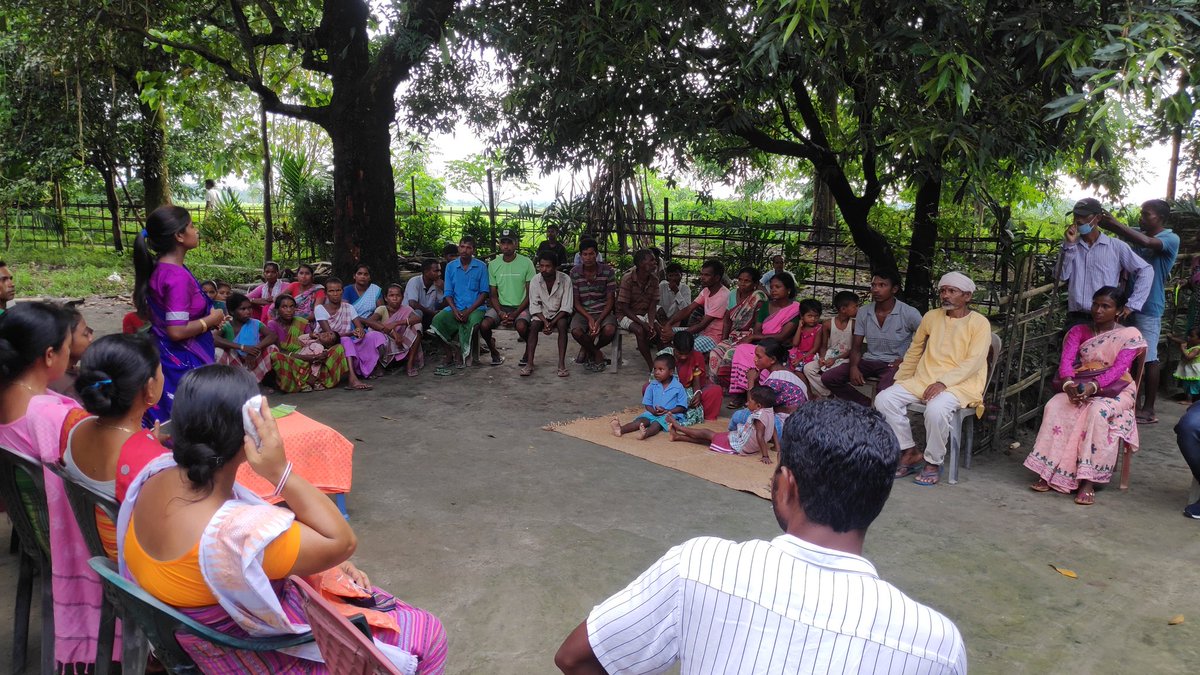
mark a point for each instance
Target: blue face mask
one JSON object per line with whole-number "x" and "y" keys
{"x": 1085, "y": 230}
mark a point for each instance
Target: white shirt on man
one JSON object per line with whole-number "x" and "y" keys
{"x": 426, "y": 296}
{"x": 783, "y": 606}
{"x": 673, "y": 301}
{"x": 549, "y": 302}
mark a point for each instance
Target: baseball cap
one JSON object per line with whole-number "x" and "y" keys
{"x": 509, "y": 234}
{"x": 1088, "y": 206}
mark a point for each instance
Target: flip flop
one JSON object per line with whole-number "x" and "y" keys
{"x": 497, "y": 360}
{"x": 1040, "y": 486}
{"x": 443, "y": 371}
{"x": 412, "y": 373}
{"x": 905, "y": 470}
{"x": 928, "y": 478}
{"x": 562, "y": 372}
{"x": 1086, "y": 498}
{"x": 361, "y": 387}
{"x": 1146, "y": 420}
{"x": 526, "y": 371}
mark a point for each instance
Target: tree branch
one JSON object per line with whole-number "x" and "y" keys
{"x": 270, "y": 99}
{"x": 427, "y": 20}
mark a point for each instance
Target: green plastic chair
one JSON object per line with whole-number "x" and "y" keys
{"x": 160, "y": 622}
{"x": 23, "y": 489}
{"x": 84, "y": 502}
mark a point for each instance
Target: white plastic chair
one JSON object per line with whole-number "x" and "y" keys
{"x": 965, "y": 417}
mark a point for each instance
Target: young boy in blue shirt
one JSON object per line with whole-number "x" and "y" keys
{"x": 665, "y": 396}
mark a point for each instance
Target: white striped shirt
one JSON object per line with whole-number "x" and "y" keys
{"x": 784, "y": 606}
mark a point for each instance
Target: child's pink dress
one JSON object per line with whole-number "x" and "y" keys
{"x": 798, "y": 355}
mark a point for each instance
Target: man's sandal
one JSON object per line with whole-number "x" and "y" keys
{"x": 929, "y": 476}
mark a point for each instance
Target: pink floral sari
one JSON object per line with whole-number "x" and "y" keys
{"x": 743, "y": 355}
{"x": 1080, "y": 442}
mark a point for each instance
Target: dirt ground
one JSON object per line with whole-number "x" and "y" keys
{"x": 510, "y": 534}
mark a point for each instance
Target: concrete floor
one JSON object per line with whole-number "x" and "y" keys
{"x": 509, "y": 533}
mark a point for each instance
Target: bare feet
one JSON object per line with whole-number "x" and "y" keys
{"x": 615, "y": 425}
{"x": 642, "y": 431}
{"x": 671, "y": 429}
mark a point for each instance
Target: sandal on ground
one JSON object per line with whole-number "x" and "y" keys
{"x": 360, "y": 387}
{"x": 526, "y": 371}
{"x": 1143, "y": 419}
{"x": 1040, "y": 486}
{"x": 497, "y": 359}
{"x": 1085, "y": 498}
{"x": 929, "y": 476}
{"x": 443, "y": 371}
{"x": 522, "y": 362}
{"x": 412, "y": 373}
{"x": 562, "y": 372}
{"x": 905, "y": 470}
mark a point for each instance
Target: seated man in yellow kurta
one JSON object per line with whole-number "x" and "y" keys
{"x": 946, "y": 369}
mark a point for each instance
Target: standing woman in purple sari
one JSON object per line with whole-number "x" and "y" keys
{"x": 181, "y": 315}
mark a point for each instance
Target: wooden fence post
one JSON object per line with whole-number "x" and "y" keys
{"x": 491, "y": 207}
{"x": 667, "y": 227}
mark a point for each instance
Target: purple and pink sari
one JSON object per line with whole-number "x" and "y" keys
{"x": 175, "y": 299}
{"x": 1080, "y": 442}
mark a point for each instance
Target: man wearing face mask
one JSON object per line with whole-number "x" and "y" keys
{"x": 1091, "y": 260}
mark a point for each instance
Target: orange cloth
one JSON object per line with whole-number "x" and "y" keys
{"x": 317, "y": 452}
{"x": 180, "y": 583}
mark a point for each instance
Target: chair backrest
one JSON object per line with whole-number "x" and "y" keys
{"x": 160, "y": 622}
{"x": 85, "y": 502}
{"x": 346, "y": 650}
{"x": 23, "y": 489}
{"x": 1138, "y": 369}
{"x": 993, "y": 358}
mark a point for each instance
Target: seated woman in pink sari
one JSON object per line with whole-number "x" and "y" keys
{"x": 34, "y": 351}
{"x": 1077, "y": 443}
{"x": 783, "y": 315}
{"x": 747, "y": 304}
{"x": 194, "y": 538}
{"x": 402, "y": 326}
{"x": 305, "y": 292}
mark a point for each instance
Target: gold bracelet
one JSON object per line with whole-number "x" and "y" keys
{"x": 204, "y": 325}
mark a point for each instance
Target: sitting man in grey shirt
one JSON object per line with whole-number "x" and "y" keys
{"x": 887, "y": 325}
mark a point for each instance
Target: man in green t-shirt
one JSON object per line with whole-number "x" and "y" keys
{"x": 509, "y": 276}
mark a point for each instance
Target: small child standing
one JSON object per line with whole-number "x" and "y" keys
{"x": 807, "y": 343}
{"x": 751, "y": 437}
{"x": 665, "y": 398}
{"x": 1188, "y": 372}
{"x": 837, "y": 335}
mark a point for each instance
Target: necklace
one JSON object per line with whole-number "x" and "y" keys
{"x": 114, "y": 426}
{"x": 28, "y": 388}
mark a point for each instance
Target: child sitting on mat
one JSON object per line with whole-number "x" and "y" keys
{"x": 751, "y": 437}
{"x": 665, "y": 398}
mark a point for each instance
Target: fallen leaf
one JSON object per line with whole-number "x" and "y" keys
{"x": 1175, "y": 620}
{"x": 385, "y": 417}
{"x": 1065, "y": 572}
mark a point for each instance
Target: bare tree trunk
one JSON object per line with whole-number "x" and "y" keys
{"x": 153, "y": 153}
{"x": 918, "y": 288}
{"x": 114, "y": 205}
{"x": 269, "y": 243}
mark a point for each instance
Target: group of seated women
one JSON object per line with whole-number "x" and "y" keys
{"x": 178, "y": 496}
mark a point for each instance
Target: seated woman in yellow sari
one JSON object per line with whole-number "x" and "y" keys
{"x": 194, "y": 538}
{"x": 1082, "y": 425}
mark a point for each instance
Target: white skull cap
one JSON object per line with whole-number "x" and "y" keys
{"x": 957, "y": 280}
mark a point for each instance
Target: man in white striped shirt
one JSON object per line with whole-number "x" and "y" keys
{"x": 804, "y": 602}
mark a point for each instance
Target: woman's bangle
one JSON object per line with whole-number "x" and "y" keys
{"x": 1067, "y": 384}
{"x": 203, "y": 326}
{"x": 287, "y": 472}
{"x": 1094, "y": 391}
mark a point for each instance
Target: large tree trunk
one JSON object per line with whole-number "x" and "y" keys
{"x": 824, "y": 215}
{"x": 364, "y": 225}
{"x": 107, "y": 171}
{"x": 153, "y": 155}
{"x": 919, "y": 286}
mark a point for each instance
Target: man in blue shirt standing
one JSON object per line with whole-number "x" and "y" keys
{"x": 1091, "y": 260}
{"x": 467, "y": 290}
{"x": 1158, "y": 246}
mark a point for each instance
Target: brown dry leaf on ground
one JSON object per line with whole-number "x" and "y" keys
{"x": 1175, "y": 620}
{"x": 1065, "y": 572}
